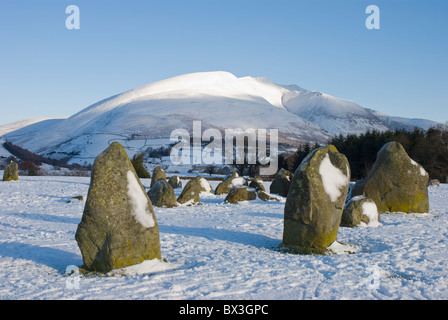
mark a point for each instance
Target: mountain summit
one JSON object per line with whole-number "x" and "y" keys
{"x": 146, "y": 116}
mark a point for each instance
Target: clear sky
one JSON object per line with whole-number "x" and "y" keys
{"x": 47, "y": 70}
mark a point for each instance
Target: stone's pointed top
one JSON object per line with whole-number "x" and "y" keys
{"x": 157, "y": 174}
{"x": 396, "y": 183}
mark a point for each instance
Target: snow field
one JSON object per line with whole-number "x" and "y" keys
{"x": 217, "y": 251}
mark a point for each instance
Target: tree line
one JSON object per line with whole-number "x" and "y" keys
{"x": 427, "y": 147}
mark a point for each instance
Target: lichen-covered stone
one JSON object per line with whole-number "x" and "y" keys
{"x": 162, "y": 195}
{"x": 192, "y": 190}
{"x": 11, "y": 172}
{"x": 229, "y": 182}
{"x": 282, "y": 181}
{"x": 396, "y": 183}
{"x": 175, "y": 182}
{"x": 257, "y": 184}
{"x": 118, "y": 226}
{"x": 360, "y": 211}
{"x": 263, "y": 195}
{"x": 157, "y": 174}
{"x": 240, "y": 193}
{"x": 315, "y": 201}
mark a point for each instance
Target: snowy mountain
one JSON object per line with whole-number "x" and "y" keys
{"x": 145, "y": 117}
{"x": 335, "y": 115}
{"x": 403, "y": 123}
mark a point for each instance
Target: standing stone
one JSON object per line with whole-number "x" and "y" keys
{"x": 396, "y": 182}
{"x": 175, "y": 182}
{"x": 282, "y": 181}
{"x": 118, "y": 226}
{"x": 11, "y": 172}
{"x": 162, "y": 195}
{"x": 315, "y": 201}
{"x": 192, "y": 190}
{"x": 229, "y": 182}
{"x": 360, "y": 211}
{"x": 157, "y": 174}
{"x": 240, "y": 193}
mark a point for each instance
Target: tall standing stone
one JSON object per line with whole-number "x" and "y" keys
{"x": 396, "y": 182}
{"x": 11, "y": 172}
{"x": 118, "y": 226}
{"x": 315, "y": 201}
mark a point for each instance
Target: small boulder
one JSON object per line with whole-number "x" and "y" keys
{"x": 118, "y": 226}
{"x": 157, "y": 174}
{"x": 240, "y": 193}
{"x": 11, "y": 172}
{"x": 229, "y": 182}
{"x": 263, "y": 195}
{"x": 282, "y": 181}
{"x": 257, "y": 184}
{"x": 175, "y": 182}
{"x": 396, "y": 182}
{"x": 314, "y": 204}
{"x": 162, "y": 195}
{"x": 434, "y": 182}
{"x": 192, "y": 190}
{"x": 360, "y": 211}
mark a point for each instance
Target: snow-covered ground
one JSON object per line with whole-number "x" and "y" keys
{"x": 217, "y": 251}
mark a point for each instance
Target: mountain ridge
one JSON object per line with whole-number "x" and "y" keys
{"x": 145, "y": 116}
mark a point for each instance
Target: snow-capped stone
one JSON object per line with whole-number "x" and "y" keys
{"x": 118, "y": 226}
{"x": 396, "y": 183}
{"x": 229, "y": 182}
{"x": 192, "y": 190}
{"x": 360, "y": 211}
{"x": 315, "y": 201}
{"x": 175, "y": 182}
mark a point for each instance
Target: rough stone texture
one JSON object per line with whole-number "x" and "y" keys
{"x": 263, "y": 195}
{"x": 118, "y": 226}
{"x": 257, "y": 183}
{"x": 229, "y": 182}
{"x": 162, "y": 195}
{"x": 282, "y": 181}
{"x": 175, "y": 182}
{"x": 315, "y": 201}
{"x": 11, "y": 172}
{"x": 396, "y": 183}
{"x": 192, "y": 190}
{"x": 157, "y": 174}
{"x": 240, "y": 193}
{"x": 360, "y": 211}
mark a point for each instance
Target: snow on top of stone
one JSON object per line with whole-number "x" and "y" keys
{"x": 370, "y": 210}
{"x": 204, "y": 184}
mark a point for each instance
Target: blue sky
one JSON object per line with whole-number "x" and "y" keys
{"x": 47, "y": 70}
